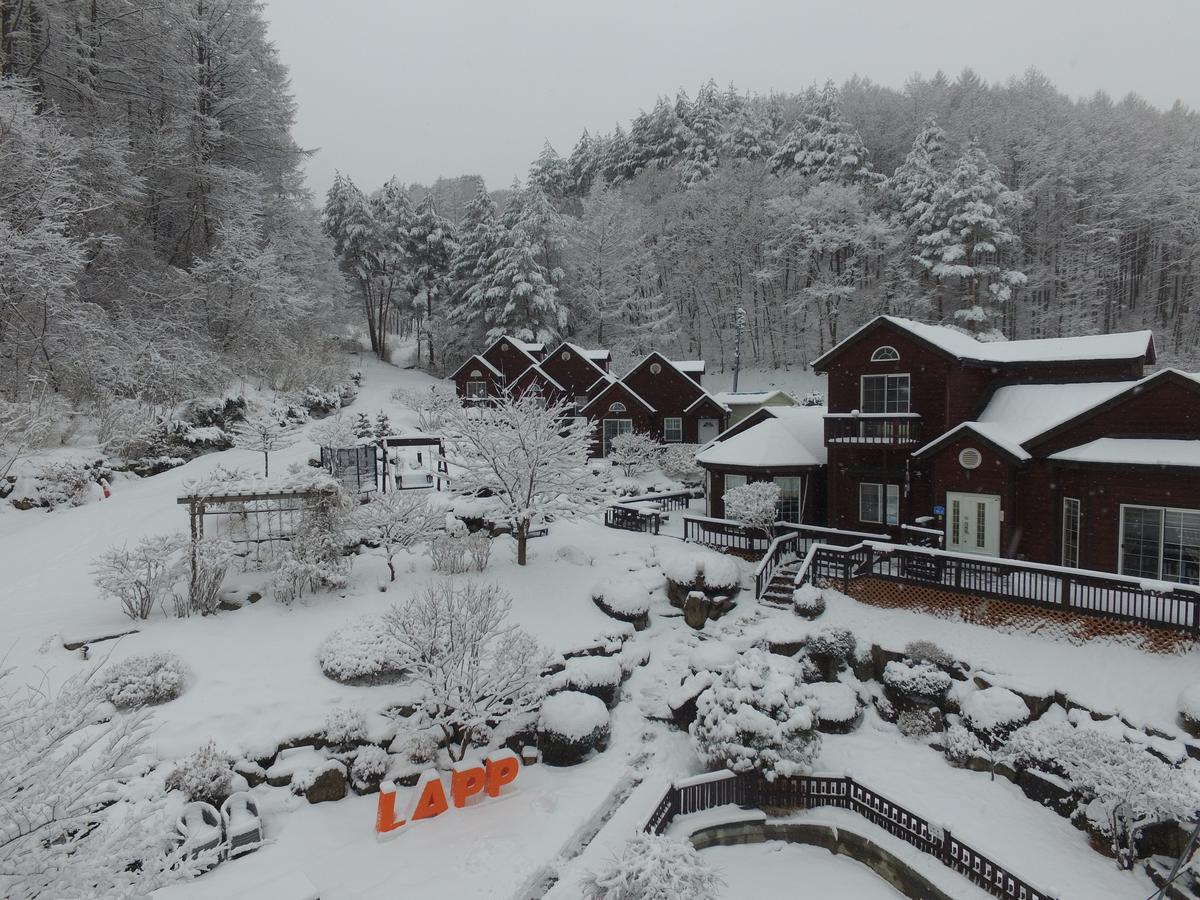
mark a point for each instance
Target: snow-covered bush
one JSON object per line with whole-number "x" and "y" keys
{"x": 678, "y": 461}
{"x": 362, "y": 652}
{"x": 928, "y": 651}
{"x": 712, "y": 656}
{"x": 654, "y": 867}
{"x": 65, "y": 483}
{"x": 143, "y": 680}
{"x": 959, "y": 745}
{"x": 478, "y": 673}
{"x": 994, "y": 712}
{"x": 206, "y": 775}
{"x": 813, "y": 398}
{"x": 808, "y": 601}
{"x": 571, "y": 725}
{"x": 634, "y": 452}
{"x": 210, "y": 558}
{"x": 345, "y": 726}
{"x": 832, "y": 643}
{"x": 599, "y": 676}
{"x": 755, "y": 505}
{"x": 919, "y": 681}
{"x": 315, "y": 557}
{"x": 623, "y": 599}
{"x": 919, "y": 723}
{"x": 835, "y": 705}
{"x": 368, "y": 767}
{"x": 449, "y": 554}
{"x": 754, "y": 718}
{"x": 394, "y": 522}
{"x": 320, "y": 402}
{"x": 1189, "y": 708}
{"x": 140, "y": 578}
{"x": 479, "y": 548}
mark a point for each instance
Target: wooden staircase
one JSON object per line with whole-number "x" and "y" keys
{"x": 779, "y": 589}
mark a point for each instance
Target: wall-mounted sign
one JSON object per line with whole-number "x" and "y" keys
{"x": 428, "y": 798}
{"x": 939, "y": 510}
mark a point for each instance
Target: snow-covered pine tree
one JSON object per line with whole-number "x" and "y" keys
{"x": 911, "y": 188}
{"x": 383, "y": 426}
{"x": 966, "y": 242}
{"x": 581, "y": 166}
{"x": 700, "y": 156}
{"x": 824, "y": 146}
{"x": 429, "y": 244}
{"x": 549, "y": 173}
{"x": 363, "y": 427}
{"x": 478, "y": 237}
{"x": 616, "y": 149}
{"x": 750, "y": 135}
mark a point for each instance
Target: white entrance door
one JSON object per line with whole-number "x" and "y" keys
{"x": 706, "y": 430}
{"x": 973, "y": 523}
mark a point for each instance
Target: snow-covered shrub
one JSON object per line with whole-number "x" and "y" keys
{"x": 320, "y": 402}
{"x": 960, "y": 745}
{"x": 813, "y": 398}
{"x": 315, "y": 557}
{"x": 143, "y": 680}
{"x": 344, "y": 727}
{"x": 754, "y": 718}
{"x": 571, "y": 725}
{"x": 362, "y": 652}
{"x": 368, "y": 767}
{"x": 448, "y": 553}
{"x": 634, "y": 452}
{"x": 755, "y": 505}
{"x": 678, "y": 461}
{"x": 919, "y": 681}
{"x": 832, "y": 643}
{"x": 210, "y": 558}
{"x": 394, "y": 522}
{"x": 994, "y": 712}
{"x": 479, "y": 548}
{"x": 623, "y": 599}
{"x": 206, "y": 775}
{"x": 1189, "y": 708}
{"x": 65, "y": 483}
{"x": 140, "y": 578}
{"x": 808, "y": 601}
{"x": 654, "y": 867}
{"x": 928, "y": 651}
{"x": 835, "y": 706}
{"x": 599, "y": 676}
{"x": 712, "y": 656}
{"x": 919, "y": 723}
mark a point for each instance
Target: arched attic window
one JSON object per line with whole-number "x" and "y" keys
{"x": 885, "y": 354}
{"x": 617, "y": 408}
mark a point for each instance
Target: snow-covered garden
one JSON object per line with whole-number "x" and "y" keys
{"x": 611, "y": 663}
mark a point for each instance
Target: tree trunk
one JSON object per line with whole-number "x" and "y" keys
{"x": 522, "y": 540}
{"x": 266, "y": 464}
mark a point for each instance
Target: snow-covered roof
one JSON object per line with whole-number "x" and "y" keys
{"x": 477, "y": 359}
{"x": 537, "y": 368}
{"x": 594, "y": 355}
{"x": 527, "y": 346}
{"x": 689, "y": 365}
{"x": 1124, "y": 345}
{"x": 1135, "y": 452}
{"x": 588, "y": 356}
{"x": 791, "y": 436}
{"x": 751, "y": 398}
{"x": 705, "y": 395}
{"x": 632, "y": 393}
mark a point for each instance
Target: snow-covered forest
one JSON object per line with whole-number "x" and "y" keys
{"x": 1000, "y": 206}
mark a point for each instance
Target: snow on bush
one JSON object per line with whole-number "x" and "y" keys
{"x": 634, "y": 452}
{"x": 808, "y": 601}
{"x": 1189, "y": 705}
{"x": 920, "y": 680}
{"x": 571, "y": 725}
{"x": 448, "y": 553}
{"x": 210, "y": 558}
{"x": 654, "y": 867}
{"x": 994, "y": 710}
{"x": 345, "y": 726}
{"x": 363, "y": 652}
{"x": 832, "y": 643}
{"x": 959, "y": 745}
{"x": 395, "y": 522}
{"x": 832, "y": 702}
{"x": 919, "y": 723}
{"x": 712, "y": 656}
{"x": 623, "y": 595}
{"x": 368, "y": 767}
{"x": 599, "y": 676}
{"x": 143, "y": 680}
{"x": 206, "y": 775}
{"x": 928, "y": 651}
{"x": 695, "y": 566}
{"x": 754, "y": 505}
{"x": 754, "y": 718}
{"x": 678, "y": 461}
{"x": 141, "y": 578}
{"x": 813, "y": 398}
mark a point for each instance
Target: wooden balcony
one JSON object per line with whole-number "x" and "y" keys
{"x": 891, "y": 429}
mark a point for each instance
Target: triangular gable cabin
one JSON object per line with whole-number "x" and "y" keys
{"x": 477, "y": 380}
{"x": 535, "y": 381}
{"x": 617, "y": 409}
{"x": 685, "y": 412}
{"x": 577, "y": 369}
{"x": 511, "y": 357}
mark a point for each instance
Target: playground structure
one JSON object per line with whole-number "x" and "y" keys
{"x": 404, "y": 462}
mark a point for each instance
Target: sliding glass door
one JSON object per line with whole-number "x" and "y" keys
{"x": 1160, "y": 543}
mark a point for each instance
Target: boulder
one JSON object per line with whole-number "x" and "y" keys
{"x": 570, "y": 726}
{"x": 326, "y": 784}
{"x": 1047, "y": 789}
{"x": 699, "y": 607}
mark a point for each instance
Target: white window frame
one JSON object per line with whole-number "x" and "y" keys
{"x": 862, "y": 394}
{"x": 474, "y": 392}
{"x": 678, "y": 429}
{"x": 605, "y": 439}
{"x": 880, "y": 354}
{"x": 891, "y": 508}
{"x": 1072, "y": 508}
{"x": 1162, "y": 527}
{"x": 739, "y": 480}
{"x": 862, "y": 489}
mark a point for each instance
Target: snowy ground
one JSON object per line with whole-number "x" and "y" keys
{"x": 770, "y": 869}
{"x": 255, "y": 681}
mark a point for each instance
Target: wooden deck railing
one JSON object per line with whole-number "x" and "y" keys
{"x": 645, "y": 511}
{"x": 843, "y": 792}
{"x": 795, "y": 540}
{"x": 1101, "y": 594}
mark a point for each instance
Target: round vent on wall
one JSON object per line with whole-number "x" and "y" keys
{"x": 970, "y": 458}
{"x": 655, "y": 368}
{"x": 566, "y": 354}
{"x": 504, "y": 347}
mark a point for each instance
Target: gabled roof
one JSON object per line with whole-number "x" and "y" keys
{"x": 989, "y": 433}
{"x": 623, "y": 386}
{"x": 705, "y": 395}
{"x": 588, "y": 356}
{"x": 655, "y": 355}
{"x": 689, "y": 365}
{"x": 477, "y": 359}
{"x": 537, "y": 369}
{"x": 751, "y": 398}
{"x": 960, "y": 345}
{"x": 779, "y": 437}
{"x": 1135, "y": 452}
{"x": 519, "y": 345}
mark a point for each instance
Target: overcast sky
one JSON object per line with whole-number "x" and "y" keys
{"x": 449, "y": 87}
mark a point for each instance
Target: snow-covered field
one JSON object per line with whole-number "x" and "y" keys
{"x": 254, "y": 681}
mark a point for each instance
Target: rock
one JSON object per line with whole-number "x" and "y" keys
{"x": 529, "y": 756}
{"x": 698, "y": 608}
{"x": 1047, "y": 789}
{"x": 328, "y": 784}
{"x": 254, "y": 773}
{"x": 1161, "y": 839}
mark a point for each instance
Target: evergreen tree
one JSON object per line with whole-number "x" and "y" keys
{"x": 362, "y": 426}
{"x": 429, "y": 246}
{"x": 703, "y": 135}
{"x": 911, "y": 188}
{"x": 582, "y": 165}
{"x": 549, "y": 173}
{"x": 616, "y": 149}
{"x": 519, "y": 291}
{"x": 967, "y": 241}
{"x": 823, "y": 146}
{"x": 383, "y": 426}
{"x": 478, "y": 239}
{"x": 750, "y": 135}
